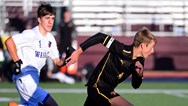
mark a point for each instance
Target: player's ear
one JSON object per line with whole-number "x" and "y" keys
{"x": 143, "y": 45}
{"x": 39, "y": 20}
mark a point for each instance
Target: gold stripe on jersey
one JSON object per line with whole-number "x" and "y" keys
{"x": 134, "y": 58}
{"x": 95, "y": 85}
{"x": 120, "y": 75}
{"x": 121, "y": 61}
{"x": 102, "y": 68}
{"x": 126, "y": 51}
{"x": 105, "y": 40}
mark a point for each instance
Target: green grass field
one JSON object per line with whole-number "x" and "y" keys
{"x": 149, "y": 94}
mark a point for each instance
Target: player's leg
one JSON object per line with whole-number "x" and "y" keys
{"x": 92, "y": 98}
{"x": 30, "y": 92}
{"x": 88, "y": 102}
{"x": 95, "y": 98}
{"x": 119, "y": 101}
{"x": 33, "y": 95}
{"x": 98, "y": 101}
{"x": 50, "y": 101}
{"x": 25, "y": 86}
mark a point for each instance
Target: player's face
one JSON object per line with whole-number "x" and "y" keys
{"x": 46, "y": 22}
{"x": 147, "y": 50}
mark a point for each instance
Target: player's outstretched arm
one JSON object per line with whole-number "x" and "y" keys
{"x": 91, "y": 41}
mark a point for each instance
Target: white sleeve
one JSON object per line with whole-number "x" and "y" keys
{"x": 23, "y": 39}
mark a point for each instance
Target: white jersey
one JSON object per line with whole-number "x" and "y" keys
{"x": 33, "y": 48}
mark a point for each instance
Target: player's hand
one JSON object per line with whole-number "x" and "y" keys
{"x": 137, "y": 73}
{"x": 139, "y": 68}
{"x": 17, "y": 67}
{"x": 74, "y": 57}
{"x": 67, "y": 54}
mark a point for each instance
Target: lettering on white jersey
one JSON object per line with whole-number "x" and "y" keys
{"x": 41, "y": 54}
{"x": 39, "y": 43}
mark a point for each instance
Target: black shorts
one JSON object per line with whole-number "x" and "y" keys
{"x": 99, "y": 96}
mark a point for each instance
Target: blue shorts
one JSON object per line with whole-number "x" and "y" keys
{"x": 27, "y": 85}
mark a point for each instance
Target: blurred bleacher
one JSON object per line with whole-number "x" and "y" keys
{"x": 124, "y": 16}
{"x": 167, "y": 19}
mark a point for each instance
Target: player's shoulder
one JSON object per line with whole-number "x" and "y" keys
{"x": 128, "y": 48}
{"x": 28, "y": 32}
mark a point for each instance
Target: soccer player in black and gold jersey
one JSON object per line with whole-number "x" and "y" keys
{"x": 118, "y": 64}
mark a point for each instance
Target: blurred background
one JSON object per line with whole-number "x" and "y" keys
{"x": 76, "y": 20}
{"x": 166, "y": 71}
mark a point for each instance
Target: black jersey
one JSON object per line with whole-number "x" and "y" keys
{"x": 115, "y": 66}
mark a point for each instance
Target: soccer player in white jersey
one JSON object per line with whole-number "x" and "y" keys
{"x": 29, "y": 51}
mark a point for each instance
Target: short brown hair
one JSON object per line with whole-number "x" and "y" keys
{"x": 45, "y": 9}
{"x": 143, "y": 35}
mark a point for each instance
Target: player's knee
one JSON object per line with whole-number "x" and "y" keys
{"x": 129, "y": 104}
{"x": 119, "y": 101}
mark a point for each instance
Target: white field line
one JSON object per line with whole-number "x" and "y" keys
{"x": 8, "y": 99}
{"x": 137, "y": 91}
{"x": 183, "y": 93}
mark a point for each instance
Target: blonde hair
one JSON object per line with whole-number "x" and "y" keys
{"x": 143, "y": 35}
